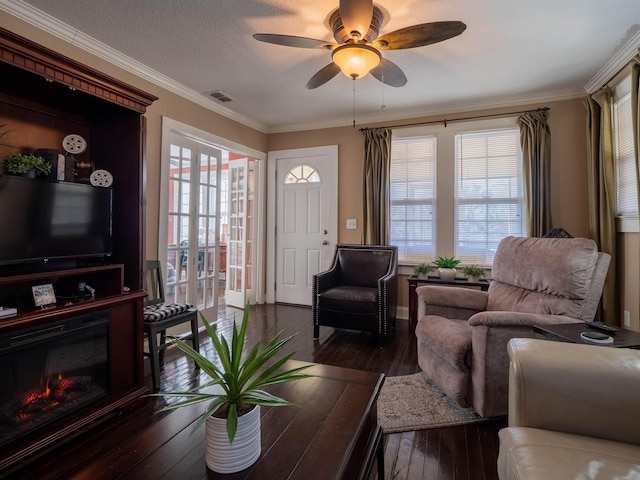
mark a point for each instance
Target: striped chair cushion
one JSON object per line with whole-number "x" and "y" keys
{"x": 160, "y": 311}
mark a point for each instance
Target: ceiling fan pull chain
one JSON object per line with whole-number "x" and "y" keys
{"x": 382, "y": 105}
{"x": 354, "y": 103}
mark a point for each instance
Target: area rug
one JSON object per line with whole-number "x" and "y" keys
{"x": 414, "y": 402}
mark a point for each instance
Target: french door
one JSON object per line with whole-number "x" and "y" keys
{"x": 240, "y": 252}
{"x": 193, "y": 223}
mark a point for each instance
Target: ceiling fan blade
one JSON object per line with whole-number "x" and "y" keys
{"x": 389, "y": 73}
{"x": 419, "y": 35}
{"x": 293, "y": 41}
{"x": 323, "y": 76}
{"x": 356, "y": 15}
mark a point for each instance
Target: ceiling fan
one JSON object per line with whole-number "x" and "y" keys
{"x": 355, "y": 25}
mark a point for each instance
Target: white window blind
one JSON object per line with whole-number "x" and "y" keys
{"x": 625, "y": 166}
{"x": 412, "y": 198}
{"x": 488, "y": 193}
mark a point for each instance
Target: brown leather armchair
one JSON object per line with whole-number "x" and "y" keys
{"x": 359, "y": 291}
{"x": 462, "y": 334}
{"x": 573, "y": 412}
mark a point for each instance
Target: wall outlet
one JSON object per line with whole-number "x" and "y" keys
{"x": 627, "y": 319}
{"x": 352, "y": 224}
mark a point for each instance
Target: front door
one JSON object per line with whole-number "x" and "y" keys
{"x": 305, "y": 219}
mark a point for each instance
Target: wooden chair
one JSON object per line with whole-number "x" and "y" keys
{"x": 160, "y": 315}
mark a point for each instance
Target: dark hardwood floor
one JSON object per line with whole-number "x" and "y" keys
{"x": 466, "y": 452}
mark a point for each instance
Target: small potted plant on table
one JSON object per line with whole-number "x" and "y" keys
{"x": 474, "y": 273}
{"x": 234, "y": 393}
{"x": 422, "y": 270}
{"x": 446, "y": 267}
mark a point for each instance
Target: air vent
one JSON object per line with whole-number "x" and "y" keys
{"x": 220, "y": 96}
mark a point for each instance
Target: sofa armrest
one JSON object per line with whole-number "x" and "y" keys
{"x": 587, "y": 390}
{"x": 456, "y": 297}
{"x": 327, "y": 279}
{"x": 389, "y": 283}
{"x": 511, "y": 319}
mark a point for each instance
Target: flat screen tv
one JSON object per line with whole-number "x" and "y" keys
{"x": 46, "y": 221}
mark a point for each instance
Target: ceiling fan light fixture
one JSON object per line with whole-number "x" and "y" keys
{"x": 355, "y": 59}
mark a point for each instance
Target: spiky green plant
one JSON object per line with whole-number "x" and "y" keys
{"x": 446, "y": 262}
{"x": 241, "y": 379}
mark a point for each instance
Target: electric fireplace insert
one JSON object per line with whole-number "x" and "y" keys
{"x": 51, "y": 370}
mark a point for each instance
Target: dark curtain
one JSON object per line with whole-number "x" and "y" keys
{"x": 377, "y": 164}
{"x": 535, "y": 140}
{"x": 602, "y": 193}
{"x": 635, "y": 116}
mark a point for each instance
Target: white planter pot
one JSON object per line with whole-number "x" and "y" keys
{"x": 447, "y": 274}
{"x": 473, "y": 279}
{"x": 224, "y": 457}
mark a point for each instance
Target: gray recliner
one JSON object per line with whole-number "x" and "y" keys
{"x": 462, "y": 334}
{"x": 359, "y": 291}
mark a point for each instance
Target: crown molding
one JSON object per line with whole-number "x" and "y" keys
{"x": 620, "y": 60}
{"x": 429, "y": 111}
{"x": 59, "y": 29}
{"x": 55, "y": 27}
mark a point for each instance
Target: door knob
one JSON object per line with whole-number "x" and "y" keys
{"x": 325, "y": 242}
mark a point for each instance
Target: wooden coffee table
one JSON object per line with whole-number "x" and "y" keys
{"x": 332, "y": 433}
{"x": 570, "y": 332}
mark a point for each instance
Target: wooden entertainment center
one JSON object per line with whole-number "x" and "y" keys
{"x": 45, "y": 97}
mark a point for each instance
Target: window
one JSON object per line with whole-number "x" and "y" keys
{"x": 488, "y": 192}
{"x": 455, "y": 190}
{"x": 412, "y": 198}
{"x": 625, "y": 166}
{"x": 302, "y": 174}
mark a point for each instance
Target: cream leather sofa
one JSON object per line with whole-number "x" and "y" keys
{"x": 574, "y": 412}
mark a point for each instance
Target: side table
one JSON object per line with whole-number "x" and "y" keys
{"x": 570, "y": 332}
{"x": 415, "y": 281}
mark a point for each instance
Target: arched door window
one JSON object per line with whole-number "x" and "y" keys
{"x": 302, "y": 174}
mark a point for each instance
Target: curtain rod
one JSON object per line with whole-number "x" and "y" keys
{"x": 445, "y": 121}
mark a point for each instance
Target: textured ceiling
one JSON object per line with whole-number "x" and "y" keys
{"x": 513, "y": 52}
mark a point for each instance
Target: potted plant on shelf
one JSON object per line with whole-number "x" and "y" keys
{"x": 234, "y": 394}
{"x": 422, "y": 270}
{"x": 474, "y": 273}
{"x": 27, "y": 165}
{"x": 446, "y": 267}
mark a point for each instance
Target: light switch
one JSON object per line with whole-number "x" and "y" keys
{"x": 351, "y": 224}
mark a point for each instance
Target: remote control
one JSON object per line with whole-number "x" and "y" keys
{"x": 602, "y": 326}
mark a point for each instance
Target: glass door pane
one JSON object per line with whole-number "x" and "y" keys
{"x": 235, "y": 291}
{"x": 193, "y": 222}
{"x": 208, "y": 224}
